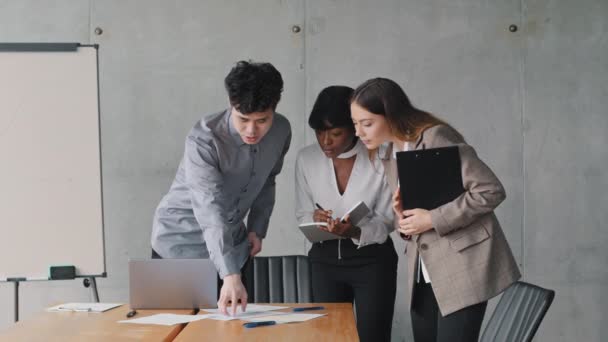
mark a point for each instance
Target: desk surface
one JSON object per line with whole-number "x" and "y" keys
{"x": 338, "y": 325}
{"x": 83, "y": 326}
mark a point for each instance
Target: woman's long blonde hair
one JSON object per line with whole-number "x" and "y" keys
{"x": 385, "y": 97}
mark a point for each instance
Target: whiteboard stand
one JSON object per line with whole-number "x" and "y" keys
{"x": 50, "y": 88}
{"x": 88, "y": 281}
{"x": 15, "y": 282}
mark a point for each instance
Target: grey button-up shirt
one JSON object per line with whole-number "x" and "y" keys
{"x": 219, "y": 181}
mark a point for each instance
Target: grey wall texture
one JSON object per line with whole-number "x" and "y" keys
{"x": 533, "y": 102}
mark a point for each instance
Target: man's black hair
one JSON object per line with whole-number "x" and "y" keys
{"x": 253, "y": 87}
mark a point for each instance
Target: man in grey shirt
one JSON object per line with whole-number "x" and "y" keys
{"x": 228, "y": 171}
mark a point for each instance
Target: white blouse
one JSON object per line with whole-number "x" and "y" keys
{"x": 316, "y": 183}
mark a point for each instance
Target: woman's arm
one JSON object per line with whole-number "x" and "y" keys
{"x": 305, "y": 205}
{"x": 376, "y": 227}
{"x": 483, "y": 191}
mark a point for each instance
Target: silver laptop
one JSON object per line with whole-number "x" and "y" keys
{"x": 172, "y": 284}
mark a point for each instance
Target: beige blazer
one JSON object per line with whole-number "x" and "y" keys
{"x": 466, "y": 254}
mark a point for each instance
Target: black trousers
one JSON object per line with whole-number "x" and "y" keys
{"x": 429, "y": 326}
{"x": 220, "y": 281}
{"x": 367, "y": 275}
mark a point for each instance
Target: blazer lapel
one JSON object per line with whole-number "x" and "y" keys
{"x": 390, "y": 169}
{"x": 419, "y": 144}
{"x": 390, "y": 166}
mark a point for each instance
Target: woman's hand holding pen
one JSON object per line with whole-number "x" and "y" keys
{"x": 335, "y": 226}
{"x": 321, "y": 215}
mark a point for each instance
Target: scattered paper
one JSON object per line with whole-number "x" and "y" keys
{"x": 244, "y": 315}
{"x": 286, "y": 318}
{"x": 165, "y": 319}
{"x": 83, "y": 307}
{"x": 251, "y": 308}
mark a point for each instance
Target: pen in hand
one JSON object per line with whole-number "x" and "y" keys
{"x": 320, "y": 208}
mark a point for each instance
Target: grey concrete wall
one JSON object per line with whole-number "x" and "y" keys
{"x": 532, "y": 102}
{"x": 565, "y": 161}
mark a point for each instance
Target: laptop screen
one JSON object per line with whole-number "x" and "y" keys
{"x": 172, "y": 284}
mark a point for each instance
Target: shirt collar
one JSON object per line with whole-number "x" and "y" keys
{"x": 355, "y": 150}
{"x": 234, "y": 134}
{"x": 406, "y": 147}
{"x": 361, "y": 148}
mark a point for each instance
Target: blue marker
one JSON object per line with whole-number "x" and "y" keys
{"x": 258, "y": 324}
{"x": 309, "y": 308}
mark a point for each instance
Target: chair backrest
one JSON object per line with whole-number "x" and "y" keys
{"x": 518, "y": 314}
{"x": 279, "y": 279}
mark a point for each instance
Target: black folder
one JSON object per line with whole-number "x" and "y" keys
{"x": 429, "y": 178}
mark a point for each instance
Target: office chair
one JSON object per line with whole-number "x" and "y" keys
{"x": 518, "y": 314}
{"x": 279, "y": 279}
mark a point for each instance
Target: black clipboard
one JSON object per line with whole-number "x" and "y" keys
{"x": 429, "y": 178}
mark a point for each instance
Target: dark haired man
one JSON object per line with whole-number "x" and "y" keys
{"x": 228, "y": 170}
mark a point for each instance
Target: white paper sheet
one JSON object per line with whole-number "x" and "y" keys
{"x": 286, "y": 318}
{"x": 251, "y": 308}
{"x": 83, "y": 307}
{"x": 244, "y": 315}
{"x": 165, "y": 319}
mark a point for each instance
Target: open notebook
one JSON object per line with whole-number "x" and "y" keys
{"x": 314, "y": 234}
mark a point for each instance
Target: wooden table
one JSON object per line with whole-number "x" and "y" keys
{"x": 84, "y": 326}
{"x": 338, "y": 325}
